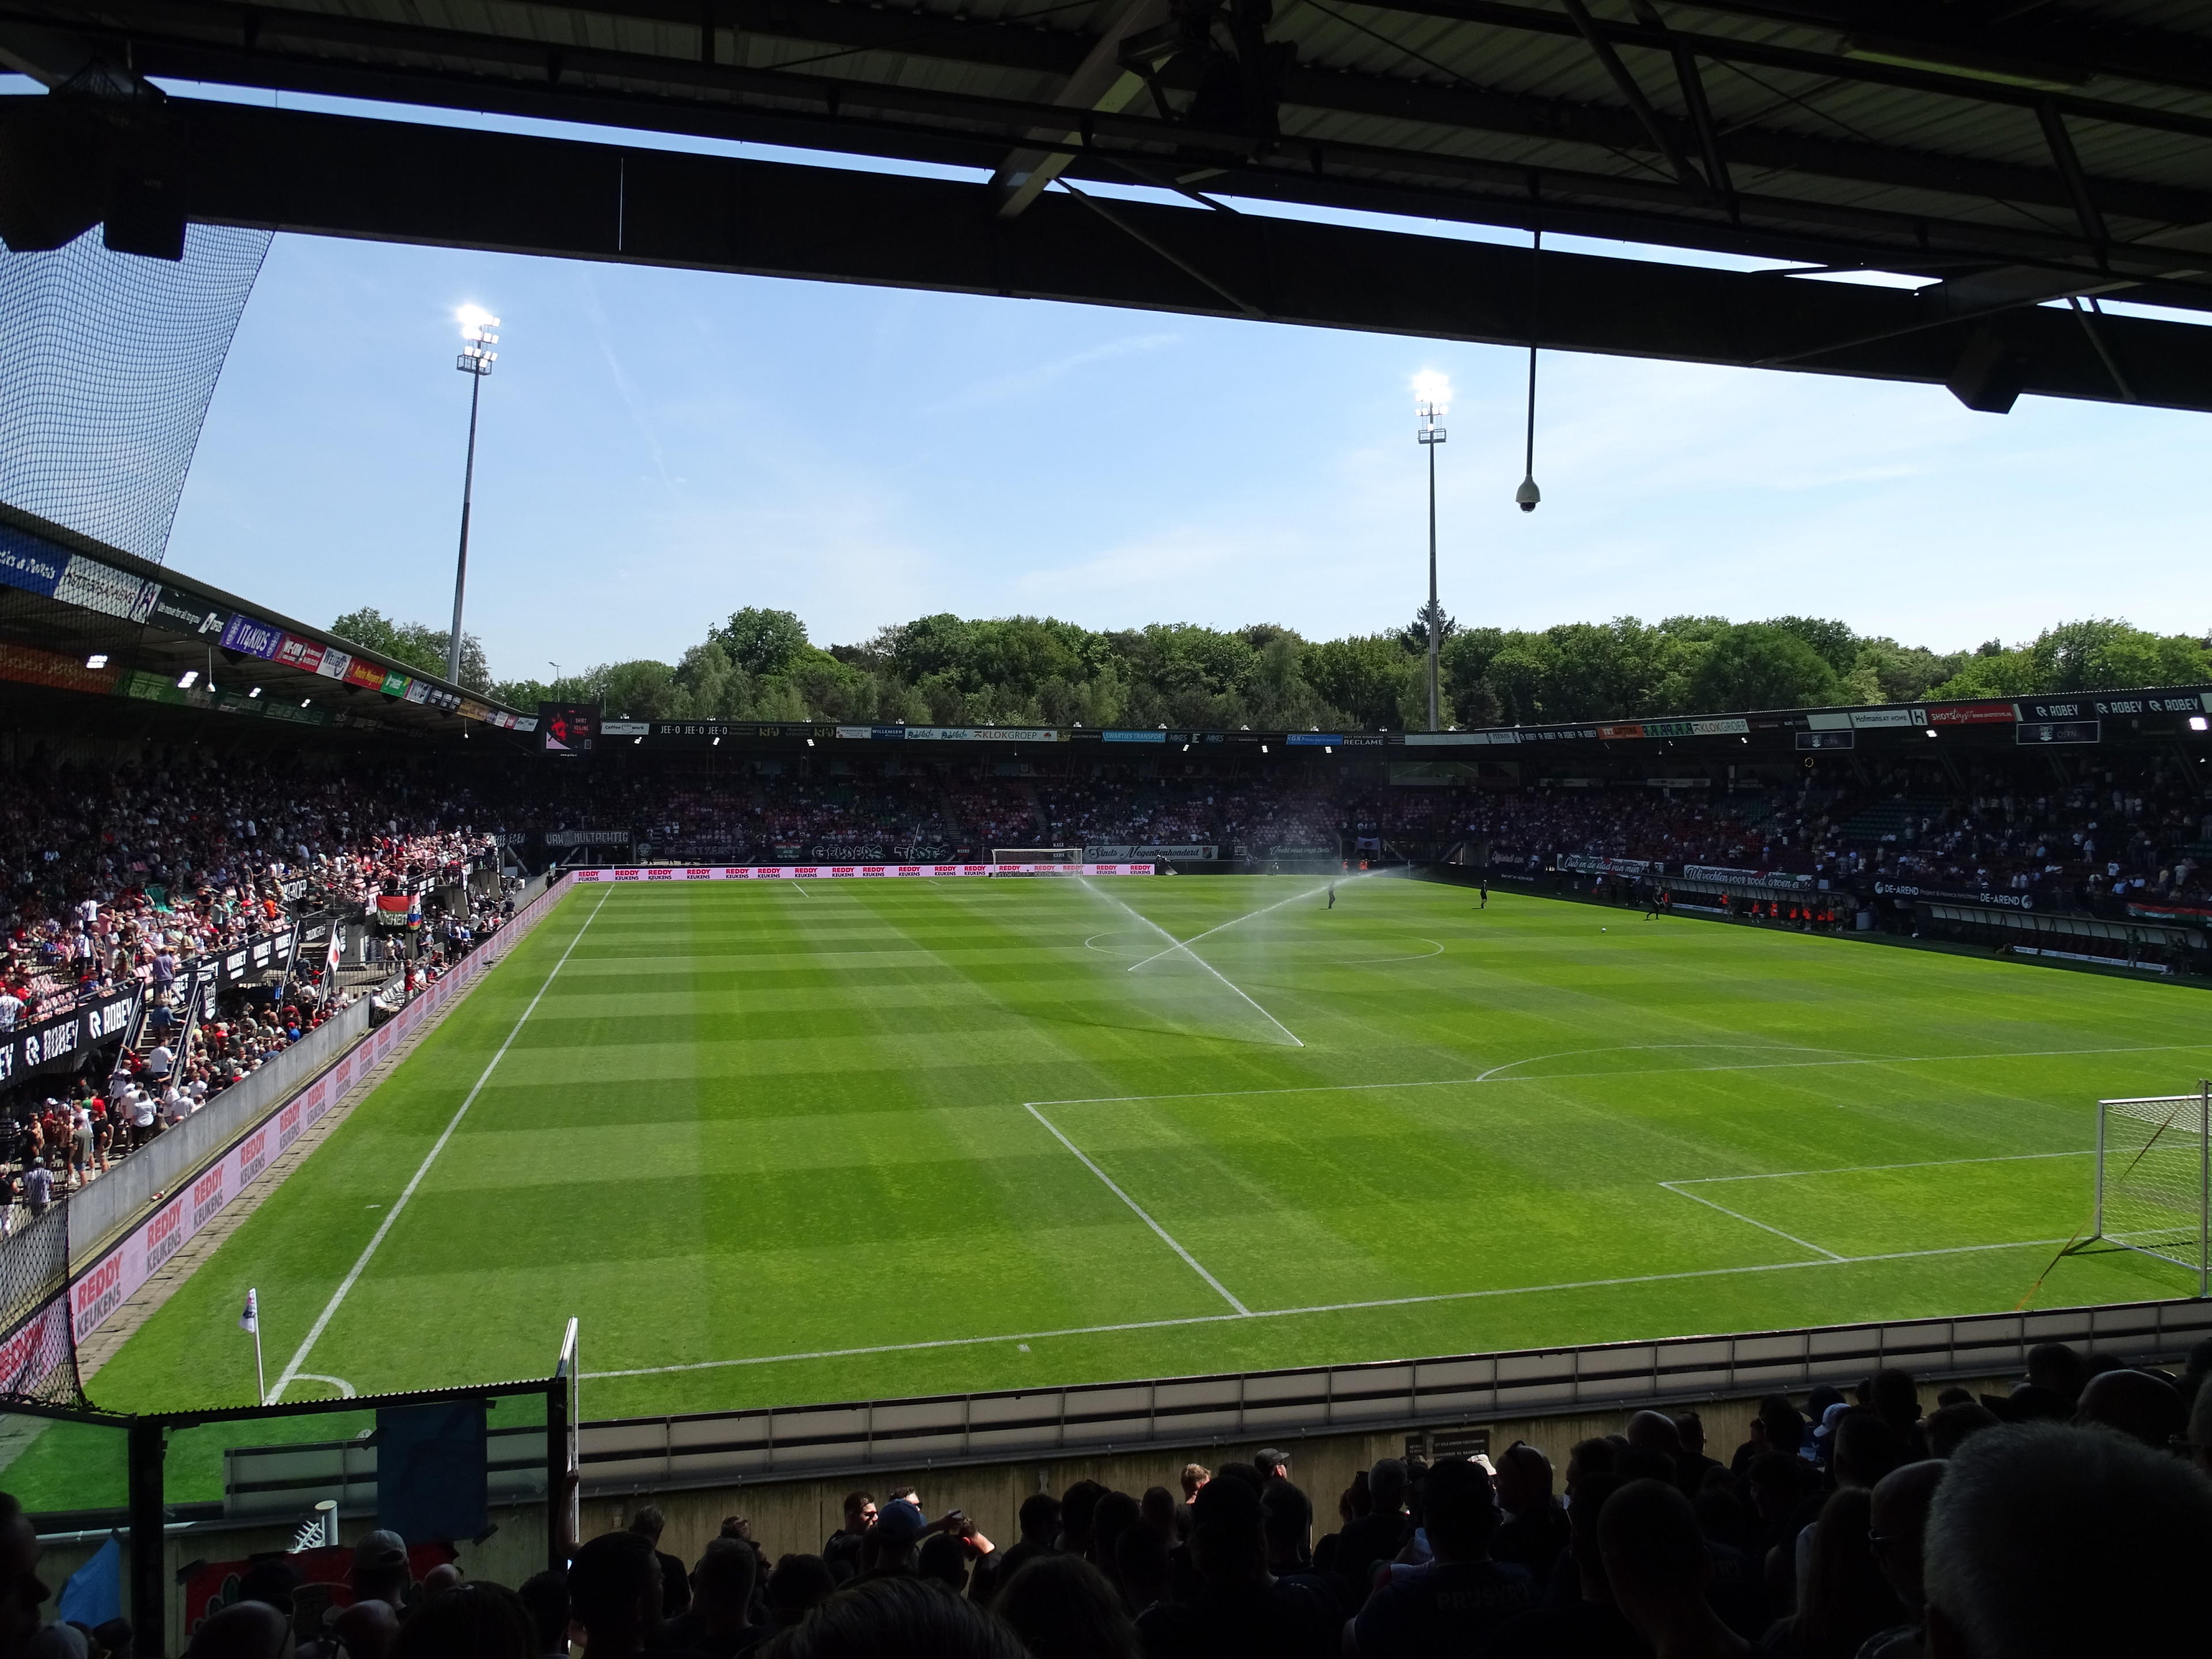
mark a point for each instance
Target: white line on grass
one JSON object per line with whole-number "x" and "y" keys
{"x": 1491, "y": 1076}
{"x": 1738, "y": 1215}
{"x": 1329, "y": 1308}
{"x": 1168, "y": 1237}
{"x": 1870, "y": 1168}
{"x": 1185, "y": 944}
{"x": 1195, "y": 957}
{"x": 345, "y": 1285}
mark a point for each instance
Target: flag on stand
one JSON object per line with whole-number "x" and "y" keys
{"x": 250, "y": 1318}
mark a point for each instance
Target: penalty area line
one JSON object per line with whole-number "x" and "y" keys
{"x": 1328, "y": 1308}
{"x": 1166, "y": 1237}
{"x": 292, "y": 1370}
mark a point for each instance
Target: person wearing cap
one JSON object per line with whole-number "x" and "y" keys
{"x": 893, "y": 1546}
{"x": 1272, "y": 1465}
{"x": 380, "y": 1570}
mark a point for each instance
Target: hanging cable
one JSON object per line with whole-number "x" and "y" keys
{"x": 1528, "y": 495}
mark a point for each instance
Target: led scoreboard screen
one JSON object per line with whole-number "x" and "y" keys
{"x": 568, "y": 728}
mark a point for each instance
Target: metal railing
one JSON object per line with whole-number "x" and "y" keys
{"x": 786, "y": 1442}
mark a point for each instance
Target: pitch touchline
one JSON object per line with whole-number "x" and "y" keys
{"x": 1177, "y": 944}
{"x": 1328, "y": 1308}
{"x": 1141, "y": 1214}
{"x": 345, "y": 1285}
{"x": 1454, "y": 1082}
{"x": 1871, "y": 1169}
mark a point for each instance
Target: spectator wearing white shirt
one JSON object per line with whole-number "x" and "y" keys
{"x": 159, "y": 1060}
{"x": 11, "y": 1009}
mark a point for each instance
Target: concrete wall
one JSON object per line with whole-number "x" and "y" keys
{"x": 124, "y": 1194}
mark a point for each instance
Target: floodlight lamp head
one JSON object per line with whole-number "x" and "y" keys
{"x": 1431, "y": 393}
{"x": 1528, "y": 495}
{"x": 476, "y": 323}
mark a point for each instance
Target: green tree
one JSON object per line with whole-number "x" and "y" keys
{"x": 762, "y": 642}
{"x": 1757, "y": 666}
{"x": 417, "y": 644}
{"x": 1362, "y": 679}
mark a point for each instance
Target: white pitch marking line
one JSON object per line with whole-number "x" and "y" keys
{"x": 346, "y": 1390}
{"x": 1805, "y": 1243}
{"x": 1329, "y": 1308}
{"x": 1185, "y": 944}
{"x": 1197, "y": 958}
{"x": 1165, "y": 1236}
{"x": 1454, "y": 1082}
{"x": 1870, "y": 1168}
{"x": 345, "y": 1286}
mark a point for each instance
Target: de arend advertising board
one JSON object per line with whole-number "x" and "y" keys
{"x": 40, "y": 1341}
{"x": 842, "y": 871}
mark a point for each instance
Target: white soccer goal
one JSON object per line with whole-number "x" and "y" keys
{"x": 1019, "y": 856}
{"x": 2154, "y": 1178}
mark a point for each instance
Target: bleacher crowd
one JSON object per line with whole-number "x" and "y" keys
{"x": 2071, "y": 1516}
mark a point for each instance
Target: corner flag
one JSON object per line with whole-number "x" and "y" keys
{"x": 250, "y": 1319}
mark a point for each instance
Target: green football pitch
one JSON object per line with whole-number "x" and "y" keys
{"x": 837, "y": 1140}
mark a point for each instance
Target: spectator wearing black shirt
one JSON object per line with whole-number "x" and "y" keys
{"x": 1585, "y": 1624}
{"x": 1238, "y": 1609}
{"x": 1062, "y": 1607}
{"x": 1450, "y": 1608}
{"x": 1535, "y": 1530}
{"x": 614, "y": 1589}
{"x": 1040, "y": 1524}
{"x": 1897, "y": 1526}
{"x": 1657, "y": 1564}
{"x": 1691, "y": 1463}
{"x": 675, "y": 1584}
{"x": 841, "y": 1554}
{"x": 1379, "y": 1535}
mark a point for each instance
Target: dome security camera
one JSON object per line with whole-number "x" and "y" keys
{"x": 1528, "y": 495}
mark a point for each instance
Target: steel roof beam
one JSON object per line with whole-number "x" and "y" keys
{"x": 349, "y": 176}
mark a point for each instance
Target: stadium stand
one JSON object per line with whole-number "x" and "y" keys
{"x": 2068, "y": 1515}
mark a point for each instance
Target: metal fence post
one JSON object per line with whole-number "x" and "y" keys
{"x": 2097, "y": 1220}
{"x": 2203, "y": 1188}
{"x": 150, "y": 1576}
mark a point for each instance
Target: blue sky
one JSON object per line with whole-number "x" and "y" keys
{"x": 660, "y": 447}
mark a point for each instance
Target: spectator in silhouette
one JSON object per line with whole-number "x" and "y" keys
{"x": 1063, "y": 1607}
{"x": 841, "y": 1554}
{"x": 1238, "y": 1608}
{"x": 1842, "y": 1596}
{"x": 614, "y": 1591}
{"x": 798, "y": 1585}
{"x": 1454, "y": 1604}
{"x": 1534, "y": 1533}
{"x": 880, "y": 1617}
{"x": 1897, "y": 1524}
{"x": 1583, "y": 1623}
{"x": 244, "y": 1629}
{"x": 675, "y": 1586}
{"x": 1376, "y": 1536}
{"x": 2047, "y": 1540}
{"x": 1040, "y": 1523}
{"x": 2144, "y": 1408}
{"x": 1656, "y": 1562}
{"x": 468, "y": 1620}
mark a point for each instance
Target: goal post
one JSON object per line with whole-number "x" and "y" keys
{"x": 2154, "y": 1178}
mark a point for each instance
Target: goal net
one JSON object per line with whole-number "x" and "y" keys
{"x": 2153, "y": 1180}
{"x": 1020, "y": 857}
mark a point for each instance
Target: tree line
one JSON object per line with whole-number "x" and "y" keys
{"x": 947, "y": 671}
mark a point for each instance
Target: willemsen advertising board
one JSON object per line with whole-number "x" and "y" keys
{"x": 843, "y": 872}
{"x": 40, "y": 1342}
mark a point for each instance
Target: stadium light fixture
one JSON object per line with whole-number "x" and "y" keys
{"x": 476, "y": 361}
{"x": 2198, "y": 723}
{"x": 99, "y": 659}
{"x": 304, "y": 701}
{"x": 1431, "y": 401}
{"x": 1933, "y": 733}
{"x": 185, "y": 681}
{"x": 255, "y": 692}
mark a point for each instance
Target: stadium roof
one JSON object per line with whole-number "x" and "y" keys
{"x": 2024, "y": 160}
{"x": 77, "y": 615}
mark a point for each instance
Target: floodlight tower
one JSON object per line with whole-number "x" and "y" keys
{"x": 476, "y": 361}
{"x": 1431, "y": 400}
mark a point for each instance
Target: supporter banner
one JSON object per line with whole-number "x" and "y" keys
{"x": 1605, "y": 866}
{"x": 39, "y": 1344}
{"x": 2197, "y": 913}
{"x": 1700, "y": 728}
{"x": 957, "y": 733}
{"x": 64, "y": 1041}
{"x": 586, "y": 837}
{"x": 845, "y": 872}
{"x": 1730, "y": 873}
{"x": 1153, "y": 737}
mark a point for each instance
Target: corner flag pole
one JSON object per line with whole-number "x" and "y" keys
{"x": 250, "y": 1319}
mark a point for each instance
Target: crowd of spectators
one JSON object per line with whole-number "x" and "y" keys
{"x": 2070, "y": 1517}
